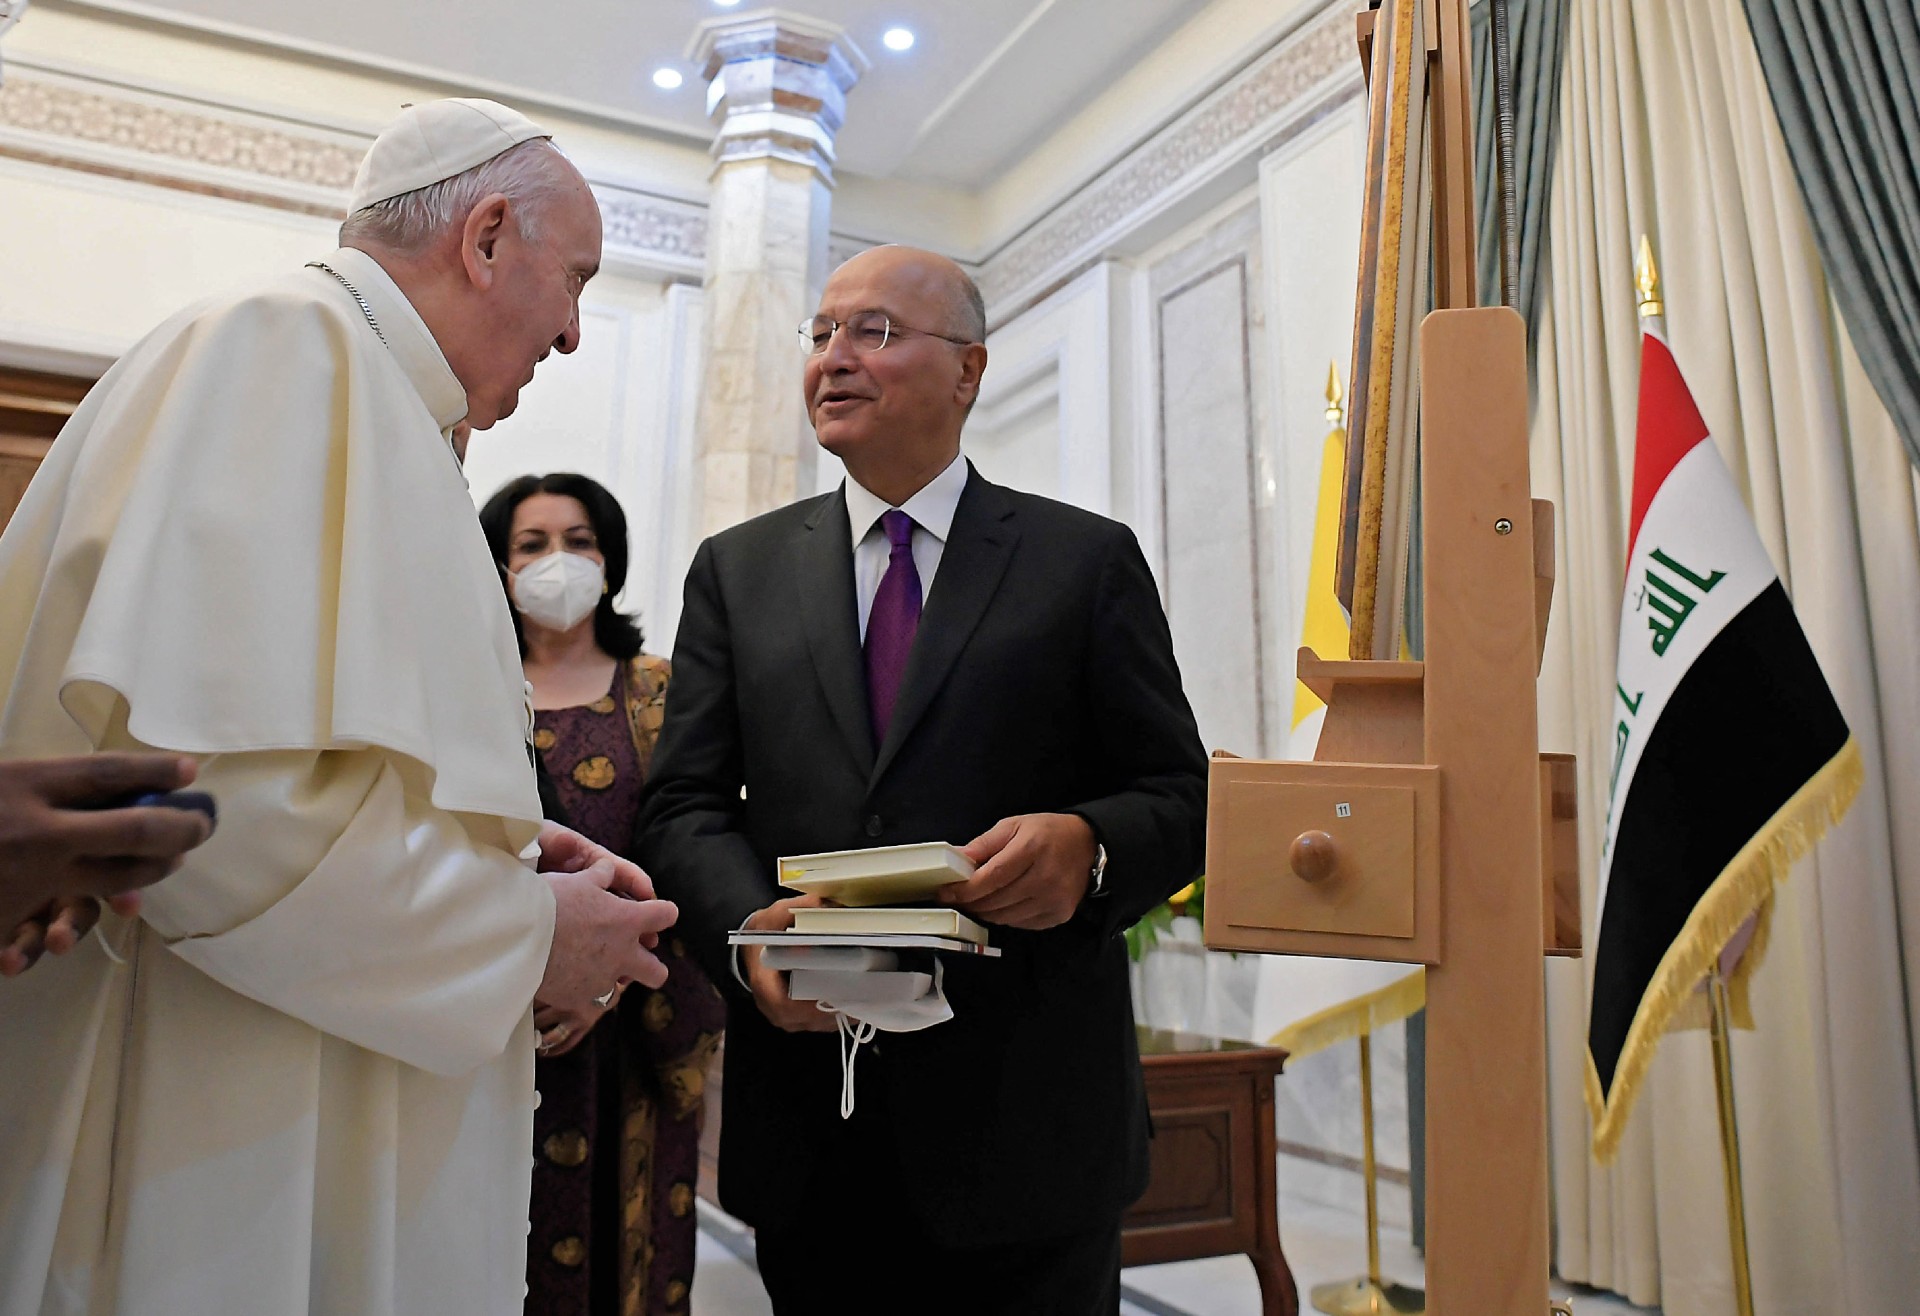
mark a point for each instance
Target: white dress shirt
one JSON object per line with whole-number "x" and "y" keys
{"x": 932, "y": 511}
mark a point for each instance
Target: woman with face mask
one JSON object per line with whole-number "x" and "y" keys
{"x": 617, "y": 1132}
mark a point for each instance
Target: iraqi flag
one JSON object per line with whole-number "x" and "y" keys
{"x": 1730, "y": 757}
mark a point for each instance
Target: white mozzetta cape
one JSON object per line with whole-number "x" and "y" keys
{"x": 309, "y": 1088}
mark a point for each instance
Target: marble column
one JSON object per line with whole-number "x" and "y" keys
{"x": 777, "y": 83}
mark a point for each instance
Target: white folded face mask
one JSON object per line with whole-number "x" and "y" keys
{"x": 558, "y": 590}
{"x": 860, "y": 1019}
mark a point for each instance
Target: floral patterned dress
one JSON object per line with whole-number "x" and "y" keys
{"x": 617, "y": 1132}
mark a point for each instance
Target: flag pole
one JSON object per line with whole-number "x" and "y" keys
{"x": 1369, "y": 1168}
{"x": 1369, "y": 1295}
{"x": 1730, "y": 1143}
{"x": 1647, "y": 283}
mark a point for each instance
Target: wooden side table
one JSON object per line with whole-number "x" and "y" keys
{"x": 1211, "y": 1189}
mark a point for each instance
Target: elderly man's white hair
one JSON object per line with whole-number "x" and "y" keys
{"x": 530, "y": 175}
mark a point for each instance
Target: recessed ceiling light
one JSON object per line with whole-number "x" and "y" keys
{"x": 667, "y": 79}
{"x": 726, "y": 4}
{"x": 898, "y": 38}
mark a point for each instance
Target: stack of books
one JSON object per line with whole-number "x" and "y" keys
{"x": 867, "y": 929}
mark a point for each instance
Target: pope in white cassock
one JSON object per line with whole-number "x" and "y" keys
{"x": 301, "y": 1080}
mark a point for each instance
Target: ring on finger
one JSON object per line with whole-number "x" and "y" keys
{"x": 554, "y": 1037}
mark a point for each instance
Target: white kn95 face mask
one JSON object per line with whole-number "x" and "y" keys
{"x": 558, "y": 590}
{"x": 860, "y": 1014}
{"x": 866, "y": 993}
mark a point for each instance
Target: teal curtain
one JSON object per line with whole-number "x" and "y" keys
{"x": 1537, "y": 36}
{"x": 1844, "y": 76}
{"x": 1536, "y": 30}
{"x": 1537, "y": 40}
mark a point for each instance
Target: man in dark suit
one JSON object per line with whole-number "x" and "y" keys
{"x": 1033, "y": 708}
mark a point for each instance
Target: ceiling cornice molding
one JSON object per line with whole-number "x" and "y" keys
{"x": 103, "y": 127}
{"x": 109, "y": 124}
{"x": 108, "y": 127}
{"x": 652, "y": 232}
{"x": 10, "y": 11}
{"x": 105, "y": 124}
{"x": 239, "y": 36}
{"x": 1248, "y": 114}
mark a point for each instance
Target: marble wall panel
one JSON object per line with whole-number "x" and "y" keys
{"x": 1047, "y": 419}
{"x": 1310, "y": 196}
{"x": 1214, "y": 558}
{"x": 1024, "y": 451}
{"x": 620, "y": 409}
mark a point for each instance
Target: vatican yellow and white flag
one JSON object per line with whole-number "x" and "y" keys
{"x": 1323, "y": 626}
{"x": 1305, "y": 1003}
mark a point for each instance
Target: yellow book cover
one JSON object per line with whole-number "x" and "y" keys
{"x": 887, "y": 874}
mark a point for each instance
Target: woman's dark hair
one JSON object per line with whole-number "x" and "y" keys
{"x": 617, "y": 634}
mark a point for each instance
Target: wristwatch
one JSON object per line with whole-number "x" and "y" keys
{"x": 1097, "y": 885}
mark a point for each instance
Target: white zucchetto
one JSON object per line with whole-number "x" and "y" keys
{"x": 432, "y": 142}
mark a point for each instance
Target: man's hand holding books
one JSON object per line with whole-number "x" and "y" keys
{"x": 1033, "y": 871}
{"x": 769, "y": 986}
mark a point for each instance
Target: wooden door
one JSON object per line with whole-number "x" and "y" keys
{"x": 33, "y": 407}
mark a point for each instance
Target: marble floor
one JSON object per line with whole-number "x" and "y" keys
{"x": 1322, "y": 1242}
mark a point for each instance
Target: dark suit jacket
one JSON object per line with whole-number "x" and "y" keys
{"x": 1042, "y": 679}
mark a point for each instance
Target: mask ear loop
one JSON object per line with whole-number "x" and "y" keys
{"x": 851, "y": 1038}
{"x": 102, "y": 934}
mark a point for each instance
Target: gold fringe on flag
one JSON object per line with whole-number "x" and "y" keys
{"x": 1350, "y": 1019}
{"x": 1743, "y": 890}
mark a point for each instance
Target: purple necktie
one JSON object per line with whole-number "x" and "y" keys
{"x": 891, "y": 623}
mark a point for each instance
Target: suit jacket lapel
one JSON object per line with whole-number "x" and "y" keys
{"x": 833, "y": 625}
{"x": 979, "y": 546}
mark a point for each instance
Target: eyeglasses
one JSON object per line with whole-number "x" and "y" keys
{"x": 869, "y": 331}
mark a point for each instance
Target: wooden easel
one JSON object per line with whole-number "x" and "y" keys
{"x": 1429, "y": 828}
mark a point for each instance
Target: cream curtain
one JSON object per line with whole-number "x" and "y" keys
{"x": 1668, "y": 129}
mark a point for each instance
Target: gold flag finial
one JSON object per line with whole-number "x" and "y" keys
{"x": 1647, "y": 279}
{"x": 1336, "y": 414}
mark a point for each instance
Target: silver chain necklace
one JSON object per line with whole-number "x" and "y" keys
{"x": 374, "y": 325}
{"x": 354, "y": 292}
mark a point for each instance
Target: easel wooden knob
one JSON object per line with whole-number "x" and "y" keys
{"x": 1313, "y": 857}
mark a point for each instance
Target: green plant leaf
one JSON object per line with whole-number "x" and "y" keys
{"x": 1142, "y": 935}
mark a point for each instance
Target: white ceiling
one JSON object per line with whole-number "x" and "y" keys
{"x": 984, "y": 82}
